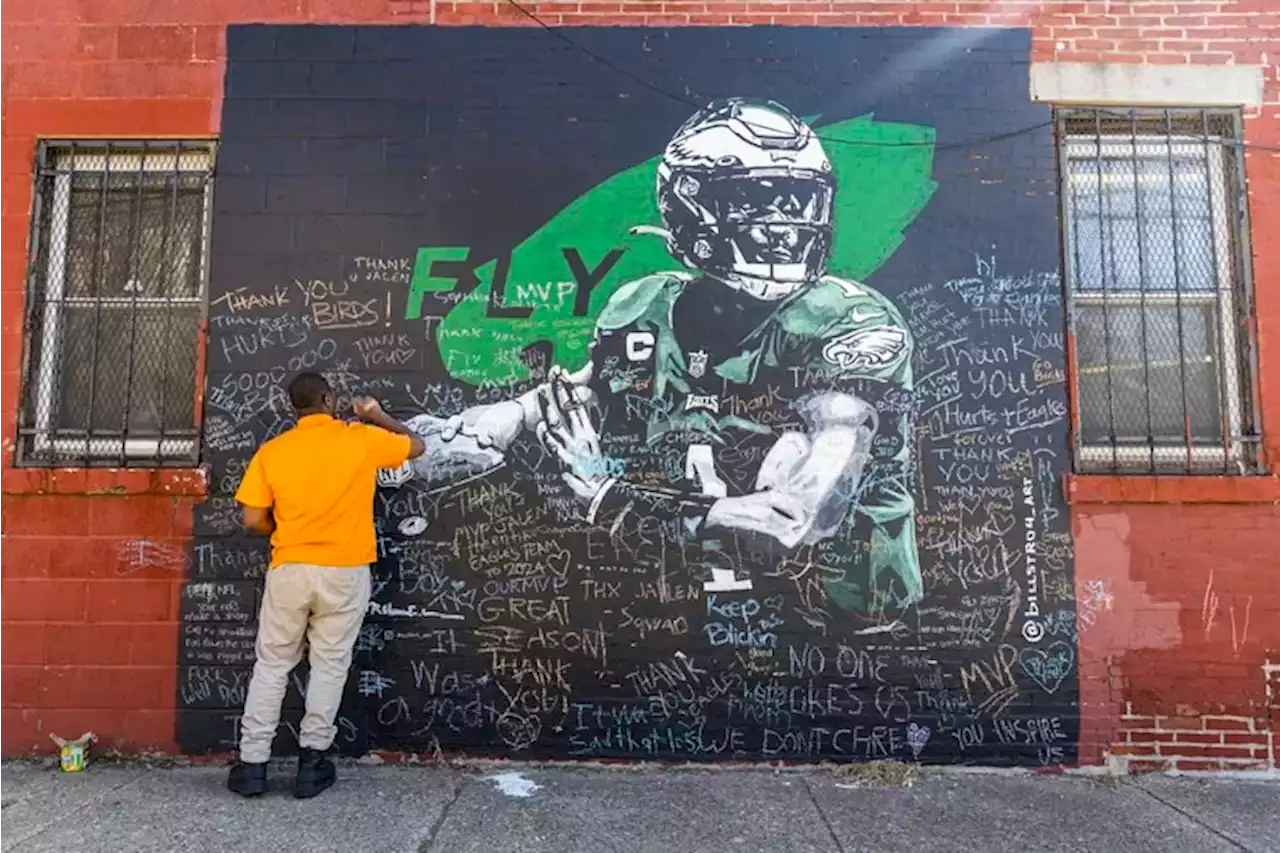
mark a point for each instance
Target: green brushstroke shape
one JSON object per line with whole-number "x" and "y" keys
{"x": 882, "y": 173}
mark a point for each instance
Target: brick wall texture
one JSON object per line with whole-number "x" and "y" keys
{"x": 1179, "y": 632}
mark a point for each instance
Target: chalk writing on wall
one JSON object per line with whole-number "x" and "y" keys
{"x": 770, "y": 400}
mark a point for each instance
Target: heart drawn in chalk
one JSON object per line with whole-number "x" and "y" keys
{"x": 917, "y": 737}
{"x": 1050, "y": 666}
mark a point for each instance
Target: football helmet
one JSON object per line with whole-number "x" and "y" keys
{"x": 746, "y": 191}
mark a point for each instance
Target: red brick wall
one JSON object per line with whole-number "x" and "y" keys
{"x": 1173, "y": 671}
{"x": 1179, "y": 613}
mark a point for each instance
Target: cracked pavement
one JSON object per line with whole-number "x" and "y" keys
{"x": 433, "y": 809}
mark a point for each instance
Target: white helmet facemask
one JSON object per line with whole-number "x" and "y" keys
{"x": 746, "y": 193}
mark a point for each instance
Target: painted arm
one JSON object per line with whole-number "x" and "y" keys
{"x": 808, "y": 479}
{"x": 803, "y": 490}
{"x": 466, "y": 445}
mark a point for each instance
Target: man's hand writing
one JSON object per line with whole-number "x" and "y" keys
{"x": 367, "y": 408}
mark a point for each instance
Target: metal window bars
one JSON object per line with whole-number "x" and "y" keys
{"x": 115, "y": 302}
{"x": 1158, "y": 291}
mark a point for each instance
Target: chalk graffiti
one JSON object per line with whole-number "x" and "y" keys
{"x": 744, "y": 438}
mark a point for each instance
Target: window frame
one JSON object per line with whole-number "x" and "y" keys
{"x": 39, "y": 445}
{"x": 1230, "y": 299}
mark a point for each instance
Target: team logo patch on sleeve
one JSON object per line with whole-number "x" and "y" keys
{"x": 877, "y": 346}
{"x": 698, "y": 363}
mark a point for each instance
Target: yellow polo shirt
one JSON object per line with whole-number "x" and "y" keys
{"x": 319, "y": 478}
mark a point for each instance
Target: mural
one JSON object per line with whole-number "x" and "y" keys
{"x": 767, "y": 389}
{"x": 748, "y": 374}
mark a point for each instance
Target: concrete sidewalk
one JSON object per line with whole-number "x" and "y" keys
{"x": 609, "y": 810}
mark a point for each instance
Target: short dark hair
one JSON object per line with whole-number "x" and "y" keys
{"x": 308, "y": 390}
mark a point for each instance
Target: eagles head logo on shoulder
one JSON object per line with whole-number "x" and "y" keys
{"x": 874, "y": 347}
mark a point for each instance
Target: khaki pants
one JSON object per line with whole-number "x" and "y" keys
{"x": 325, "y": 606}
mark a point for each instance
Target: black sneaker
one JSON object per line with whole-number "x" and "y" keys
{"x": 247, "y": 780}
{"x": 315, "y": 773}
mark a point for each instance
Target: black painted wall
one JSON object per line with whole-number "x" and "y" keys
{"x": 503, "y": 621}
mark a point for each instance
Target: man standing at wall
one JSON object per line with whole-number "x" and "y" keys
{"x": 311, "y": 490}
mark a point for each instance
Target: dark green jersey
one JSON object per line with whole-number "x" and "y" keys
{"x": 689, "y": 374}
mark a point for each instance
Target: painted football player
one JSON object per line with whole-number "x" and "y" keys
{"x": 756, "y": 402}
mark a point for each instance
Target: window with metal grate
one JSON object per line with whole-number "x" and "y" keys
{"x": 1158, "y": 291}
{"x": 115, "y": 300}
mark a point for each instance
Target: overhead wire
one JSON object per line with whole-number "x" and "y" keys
{"x": 559, "y": 33}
